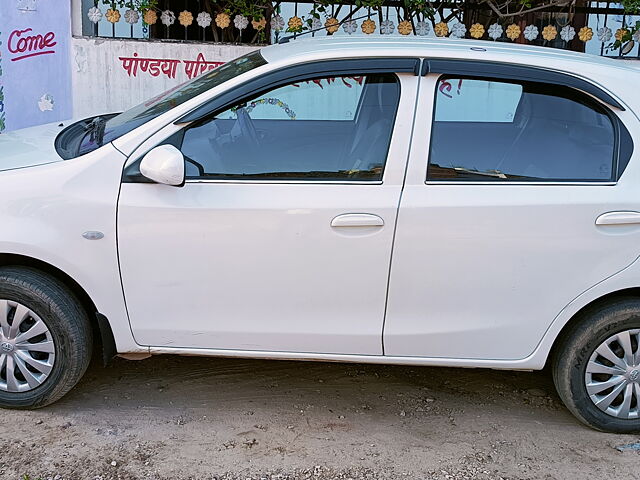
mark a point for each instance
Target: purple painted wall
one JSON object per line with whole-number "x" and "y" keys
{"x": 35, "y": 71}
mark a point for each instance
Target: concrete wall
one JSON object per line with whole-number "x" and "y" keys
{"x": 111, "y": 75}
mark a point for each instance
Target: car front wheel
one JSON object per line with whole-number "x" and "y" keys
{"x": 596, "y": 367}
{"x": 45, "y": 338}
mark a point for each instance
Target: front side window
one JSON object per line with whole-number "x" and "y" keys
{"x": 486, "y": 130}
{"x": 328, "y": 128}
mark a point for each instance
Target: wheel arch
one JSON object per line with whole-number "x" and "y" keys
{"x": 103, "y": 334}
{"x": 631, "y": 292}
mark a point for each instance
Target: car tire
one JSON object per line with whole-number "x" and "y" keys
{"x": 66, "y": 343}
{"x": 580, "y": 373}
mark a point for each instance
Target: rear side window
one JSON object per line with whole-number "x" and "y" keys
{"x": 486, "y": 130}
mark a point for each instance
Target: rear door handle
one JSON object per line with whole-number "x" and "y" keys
{"x": 357, "y": 220}
{"x": 618, "y": 218}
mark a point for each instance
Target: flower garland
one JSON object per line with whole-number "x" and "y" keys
{"x": 272, "y": 101}
{"x": 297, "y": 24}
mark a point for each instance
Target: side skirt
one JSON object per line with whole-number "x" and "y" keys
{"x": 526, "y": 364}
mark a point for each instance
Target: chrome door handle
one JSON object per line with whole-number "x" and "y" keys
{"x": 618, "y": 218}
{"x": 357, "y": 220}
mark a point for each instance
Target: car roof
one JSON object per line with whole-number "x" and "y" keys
{"x": 330, "y": 47}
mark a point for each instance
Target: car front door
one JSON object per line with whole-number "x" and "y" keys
{"x": 507, "y": 215}
{"x": 280, "y": 239}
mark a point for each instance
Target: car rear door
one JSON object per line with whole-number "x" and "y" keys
{"x": 519, "y": 197}
{"x": 280, "y": 240}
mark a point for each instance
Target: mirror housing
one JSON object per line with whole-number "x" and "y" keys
{"x": 164, "y": 164}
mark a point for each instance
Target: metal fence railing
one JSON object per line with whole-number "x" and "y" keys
{"x": 601, "y": 28}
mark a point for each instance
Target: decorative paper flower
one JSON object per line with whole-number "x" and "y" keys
{"x": 567, "y": 33}
{"x": 549, "y": 33}
{"x": 259, "y": 25}
{"x": 423, "y": 28}
{"x": 113, "y": 15}
{"x": 94, "y": 14}
{"x": 458, "y": 30}
{"x": 585, "y": 34}
{"x": 387, "y": 27}
{"x": 332, "y": 25}
{"x": 168, "y": 18}
{"x": 368, "y": 26}
{"x": 131, "y": 16}
{"x": 513, "y": 31}
{"x": 295, "y": 24}
{"x": 150, "y": 17}
{"x": 223, "y": 20}
{"x": 405, "y": 27}
{"x": 441, "y": 29}
{"x": 241, "y": 22}
{"x": 277, "y": 23}
{"x": 476, "y": 30}
{"x": 620, "y": 33}
{"x": 531, "y": 32}
{"x": 495, "y": 31}
{"x": 316, "y": 24}
{"x": 350, "y": 27}
{"x": 185, "y": 18}
{"x": 604, "y": 34}
{"x": 203, "y": 19}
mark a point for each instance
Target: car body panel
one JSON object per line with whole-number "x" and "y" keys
{"x": 286, "y": 280}
{"x": 47, "y": 208}
{"x": 29, "y": 147}
{"x": 536, "y": 247}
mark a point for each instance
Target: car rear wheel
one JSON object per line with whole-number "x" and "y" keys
{"x": 596, "y": 367}
{"x": 45, "y": 339}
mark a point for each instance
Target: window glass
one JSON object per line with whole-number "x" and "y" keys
{"x": 336, "y": 128}
{"x": 488, "y": 130}
{"x": 477, "y": 101}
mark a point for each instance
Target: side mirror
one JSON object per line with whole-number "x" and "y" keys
{"x": 164, "y": 164}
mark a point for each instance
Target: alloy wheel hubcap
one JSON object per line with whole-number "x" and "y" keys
{"x": 612, "y": 377}
{"x": 27, "y": 351}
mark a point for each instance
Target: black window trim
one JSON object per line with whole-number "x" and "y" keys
{"x": 517, "y": 72}
{"x": 618, "y": 128}
{"x": 271, "y": 80}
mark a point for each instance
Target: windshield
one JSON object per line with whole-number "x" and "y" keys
{"x": 87, "y": 135}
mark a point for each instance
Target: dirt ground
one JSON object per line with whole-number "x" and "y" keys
{"x": 179, "y": 418}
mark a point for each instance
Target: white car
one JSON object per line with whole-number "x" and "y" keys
{"x": 398, "y": 201}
